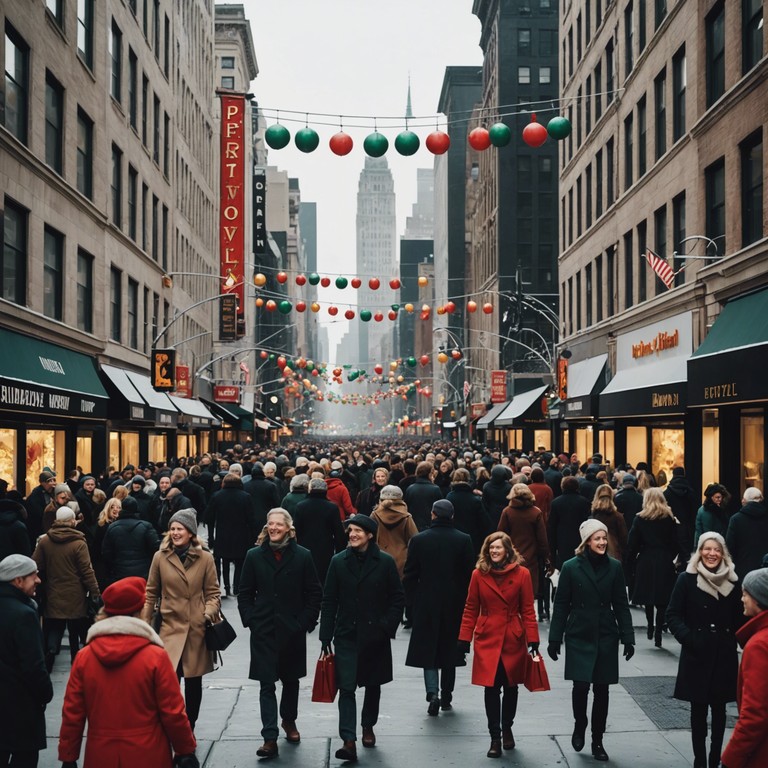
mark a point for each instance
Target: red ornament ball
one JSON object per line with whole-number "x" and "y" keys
{"x": 438, "y": 142}
{"x": 488, "y": 308}
{"x": 301, "y": 306}
{"x": 341, "y": 143}
{"x": 392, "y": 315}
{"x": 301, "y": 280}
{"x": 271, "y": 306}
{"x": 374, "y": 283}
{"x": 378, "y": 317}
{"x": 479, "y": 139}
{"x": 471, "y": 306}
{"x": 333, "y": 311}
{"x": 394, "y": 283}
{"x": 424, "y": 359}
{"x": 378, "y": 368}
{"x": 282, "y": 277}
{"x": 450, "y": 307}
{"x": 355, "y": 282}
{"x": 325, "y": 281}
{"x": 263, "y": 354}
{"x": 534, "y": 134}
{"x": 281, "y": 362}
{"x": 349, "y": 314}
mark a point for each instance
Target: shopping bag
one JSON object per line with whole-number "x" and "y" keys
{"x": 324, "y": 686}
{"x": 219, "y": 636}
{"x": 536, "y": 677}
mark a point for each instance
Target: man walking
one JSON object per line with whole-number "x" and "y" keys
{"x": 361, "y": 609}
{"x": 25, "y": 687}
{"x": 436, "y": 577}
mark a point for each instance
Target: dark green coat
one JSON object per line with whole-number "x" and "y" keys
{"x": 25, "y": 687}
{"x": 362, "y": 607}
{"x": 592, "y": 609}
{"x": 279, "y": 601}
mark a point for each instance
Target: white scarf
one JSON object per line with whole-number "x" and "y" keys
{"x": 716, "y": 583}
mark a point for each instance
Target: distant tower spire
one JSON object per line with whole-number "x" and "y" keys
{"x": 408, "y": 109}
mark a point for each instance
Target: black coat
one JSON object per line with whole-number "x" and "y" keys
{"x": 195, "y": 494}
{"x": 567, "y": 513}
{"x": 25, "y": 687}
{"x": 469, "y": 514}
{"x": 368, "y": 499}
{"x": 629, "y": 501}
{"x": 362, "y": 607}
{"x": 435, "y": 579}
{"x": 14, "y": 538}
{"x": 233, "y": 525}
{"x": 36, "y": 503}
{"x": 419, "y": 497}
{"x": 264, "y": 493}
{"x": 651, "y": 551}
{"x": 553, "y": 478}
{"x": 747, "y": 537}
{"x": 495, "y": 498}
{"x": 319, "y": 529}
{"x": 279, "y": 601}
{"x": 684, "y": 503}
{"x": 128, "y": 548}
{"x": 709, "y": 663}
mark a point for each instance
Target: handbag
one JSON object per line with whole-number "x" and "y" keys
{"x": 324, "y": 685}
{"x": 219, "y": 636}
{"x": 536, "y": 677}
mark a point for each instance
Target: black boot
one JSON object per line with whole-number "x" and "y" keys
{"x": 579, "y": 704}
{"x": 657, "y": 637}
{"x": 495, "y": 748}
{"x": 598, "y": 752}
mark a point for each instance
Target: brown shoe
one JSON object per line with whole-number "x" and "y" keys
{"x": 291, "y": 734}
{"x": 267, "y": 749}
{"x": 507, "y": 739}
{"x": 495, "y": 750}
{"x": 348, "y": 752}
{"x": 369, "y": 737}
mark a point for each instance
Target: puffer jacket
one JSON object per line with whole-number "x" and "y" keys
{"x": 129, "y": 546}
{"x": 14, "y": 539}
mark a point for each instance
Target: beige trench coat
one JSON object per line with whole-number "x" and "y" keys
{"x": 189, "y": 597}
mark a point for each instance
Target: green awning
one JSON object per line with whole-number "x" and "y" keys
{"x": 233, "y": 414}
{"x": 743, "y": 322}
{"x": 41, "y": 377}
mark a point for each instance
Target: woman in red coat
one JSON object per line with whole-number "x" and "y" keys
{"x": 124, "y": 685}
{"x": 748, "y": 747}
{"x": 499, "y": 615}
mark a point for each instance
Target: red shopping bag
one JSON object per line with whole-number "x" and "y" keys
{"x": 324, "y": 686}
{"x": 536, "y": 677}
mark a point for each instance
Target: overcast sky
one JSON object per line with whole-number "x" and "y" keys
{"x": 354, "y": 57}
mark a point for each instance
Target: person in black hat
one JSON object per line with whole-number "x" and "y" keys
{"x": 361, "y": 609}
{"x": 36, "y": 502}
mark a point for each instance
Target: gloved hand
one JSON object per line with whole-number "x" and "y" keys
{"x": 533, "y": 648}
{"x": 553, "y": 651}
{"x": 326, "y": 649}
{"x": 187, "y": 761}
{"x": 463, "y": 646}
{"x": 629, "y": 651}
{"x": 70, "y": 764}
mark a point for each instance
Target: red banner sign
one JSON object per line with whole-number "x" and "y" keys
{"x": 562, "y": 378}
{"x": 232, "y": 202}
{"x": 226, "y": 394}
{"x": 183, "y": 388}
{"x": 498, "y": 386}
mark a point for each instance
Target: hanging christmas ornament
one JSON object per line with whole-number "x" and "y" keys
{"x": 471, "y": 306}
{"x": 479, "y": 139}
{"x": 534, "y": 134}
{"x": 301, "y": 306}
{"x": 355, "y": 282}
{"x": 349, "y": 314}
{"x": 488, "y": 308}
{"x": 325, "y": 281}
{"x": 341, "y": 143}
{"x": 378, "y": 368}
{"x": 499, "y": 134}
{"x": 259, "y": 279}
{"x": 425, "y": 311}
{"x": 341, "y": 283}
{"x": 314, "y": 306}
{"x": 442, "y": 358}
{"x": 314, "y": 278}
{"x": 301, "y": 280}
{"x": 456, "y": 354}
{"x": 365, "y": 315}
{"x": 423, "y": 281}
{"x": 306, "y": 140}
{"x": 559, "y": 128}
{"x": 407, "y": 143}
{"x": 378, "y": 317}
{"x": 284, "y": 307}
{"x": 337, "y": 372}
{"x": 333, "y": 311}
{"x": 375, "y": 144}
{"x": 394, "y": 283}
{"x": 411, "y": 362}
{"x": 393, "y": 365}
{"x": 263, "y": 354}
{"x": 395, "y": 307}
{"x": 281, "y": 277}
{"x": 438, "y": 142}
{"x": 440, "y": 310}
{"x": 408, "y": 307}
{"x": 277, "y": 136}
{"x": 392, "y": 315}
{"x": 450, "y": 307}
{"x": 374, "y": 283}
{"x": 302, "y": 363}
{"x": 259, "y": 302}
{"x": 281, "y": 362}
{"x": 271, "y": 306}
{"x": 424, "y": 360}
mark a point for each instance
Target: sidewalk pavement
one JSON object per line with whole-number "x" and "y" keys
{"x": 646, "y": 727}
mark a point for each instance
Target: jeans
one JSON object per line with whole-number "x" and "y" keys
{"x": 289, "y": 706}
{"x": 579, "y": 697}
{"x": 27, "y": 759}
{"x": 348, "y": 711}
{"x": 432, "y": 679}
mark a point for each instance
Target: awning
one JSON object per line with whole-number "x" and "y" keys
{"x": 166, "y": 414}
{"x": 261, "y": 424}
{"x": 232, "y": 414}
{"x": 729, "y": 364}
{"x": 462, "y": 420}
{"x": 40, "y": 377}
{"x": 521, "y": 408}
{"x": 449, "y": 425}
{"x": 485, "y": 422}
{"x": 126, "y": 401}
{"x": 656, "y": 389}
{"x": 193, "y": 412}
{"x": 583, "y": 377}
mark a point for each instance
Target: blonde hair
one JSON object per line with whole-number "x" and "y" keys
{"x": 104, "y": 517}
{"x": 643, "y": 481}
{"x": 264, "y": 535}
{"x": 484, "y": 561}
{"x": 522, "y": 491}
{"x": 655, "y": 505}
{"x": 120, "y": 492}
{"x": 603, "y": 501}
{"x": 98, "y": 496}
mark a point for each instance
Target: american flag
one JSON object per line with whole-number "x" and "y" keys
{"x": 661, "y": 268}
{"x": 467, "y": 389}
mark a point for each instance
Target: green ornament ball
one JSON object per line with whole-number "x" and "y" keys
{"x": 559, "y": 128}
{"x": 365, "y": 315}
{"x": 341, "y": 282}
{"x": 395, "y": 307}
{"x": 375, "y": 144}
{"x": 411, "y": 362}
{"x": 277, "y": 136}
{"x": 499, "y": 134}
{"x": 284, "y": 307}
{"x": 272, "y": 356}
{"x": 314, "y": 278}
{"x": 306, "y": 140}
{"x": 407, "y": 143}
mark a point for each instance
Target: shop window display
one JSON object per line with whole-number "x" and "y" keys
{"x": 45, "y": 448}
{"x": 584, "y": 444}
{"x": 541, "y": 439}
{"x": 607, "y": 449}
{"x": 123, "y": 449}
{"x": 637, "y": 445}
{"x": 752, "y": 449}
{"x": 84, "y": 453}
{"x": 8, "y": 455}
{"x": 667, "y": 450}
{"x": 710, "y": 447}
{"x": 514, "y": 439}
{"x": 158, "y": 447}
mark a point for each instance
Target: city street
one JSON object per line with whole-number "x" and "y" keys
{"x": 646, "y": 727}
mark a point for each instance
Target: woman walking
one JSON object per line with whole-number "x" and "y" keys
{"x": 368, "y": 499}
{"x": 704, "y": 613}
{"x": 655, "y": 542}
{"x": 604, "y": 509}
{"x": 499, "y": 618}
{"x": 713, "y": 513}
{"x": 591, "y": 601}
{"x": 182, "y": 578}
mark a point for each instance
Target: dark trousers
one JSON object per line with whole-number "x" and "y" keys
{"x": 348, "y": 711}
{"x": 500, "y": 713}
{"x": 661, "y": 611}
{"x": 27, "y": 759}
{"x": 545, "y": 587}
{"x": 699, "y": 732}
{"x": 193, "y": 695}
{"x": 579, "y": 697}
{"x": 440, "y": 680}
{"x": 53, "y": 634}
{"x": 238, "y": 570}
{"x": 289, "y": 706}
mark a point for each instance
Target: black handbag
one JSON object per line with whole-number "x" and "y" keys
{"x": 219, "y": 636}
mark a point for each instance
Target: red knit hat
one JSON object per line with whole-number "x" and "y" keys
{"x": 125, "y": 597}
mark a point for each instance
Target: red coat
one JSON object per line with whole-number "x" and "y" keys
{"x": 748, "y": 747}
{"x": 499, "y": 614}
{"x": 123, "y": 683}
{"x": 339, "y": 495}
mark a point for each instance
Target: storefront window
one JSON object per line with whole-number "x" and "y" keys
{"x": 45, "y": 448}
{"x": 636, "y": 446}
{"x": 123, "y": 449}
{"x": 605, "y": 440}
{"x": 565, "y": 436}
{"x": 667, "y": 451}
{"x": 8, "y": 456}
{"x": 710, "y": 446}
{"x": 584, "y": 444}
{"x": 186, "y": 445}
{"x": 752, "y": 448}
{"x": 541, "y": 438}
{"x": 514, "y": 439}
{"x": 84, "y": 453}
{"x": 158, "y": 446}
{"x": 204, "y": 441}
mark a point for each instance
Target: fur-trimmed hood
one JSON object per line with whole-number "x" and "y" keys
{"x": 117, "y": 639}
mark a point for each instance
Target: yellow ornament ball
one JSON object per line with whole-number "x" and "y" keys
{"x": 393, "y": 365}
{"x": 409, "y": 307}
{"x": 442, "y": 358}
{"x": 400, "y": 379}
{"x": 259, "y": 302}
{"x": 259, "y": 279}
{"x": 423, "y": 281}
{"x": 314, "y": 306}
{"x": 440, "y": 310}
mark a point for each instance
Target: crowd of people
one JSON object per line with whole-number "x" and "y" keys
{"x": 470, "y": 549}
